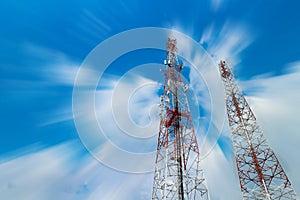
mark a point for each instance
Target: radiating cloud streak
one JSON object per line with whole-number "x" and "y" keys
{"x": 65, "y": 172}
{"x": 61, "y": 70}
{"x": 42, "y": 174}
{"x": 226, "y": 42}
{"x": 216, "y": 4}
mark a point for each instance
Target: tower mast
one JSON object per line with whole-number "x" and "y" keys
{"x": 260, "y": 173}
{"x": 177, "y": 169}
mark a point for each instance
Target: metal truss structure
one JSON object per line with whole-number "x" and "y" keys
{"x": 177, "y": 171}
{"x": 260, "y": 173}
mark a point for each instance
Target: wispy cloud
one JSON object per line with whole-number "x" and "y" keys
{"x": 131, "y": 102}
{"x": 221, "y": 176}
{"x": 93, "y": 26}
{"x": 50, "y": 70}
{"x": 226, "y": 42}
{"x": 216, "y": 4}
{"x": 64, "y": 172}
{"x": 40, "y": 174}
{"x": 54, "y": 67}
{"x": 124, "y": 120}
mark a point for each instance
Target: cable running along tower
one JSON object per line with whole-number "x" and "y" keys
{"x": 177, "y": 172}
{"x": 260, "y": 173}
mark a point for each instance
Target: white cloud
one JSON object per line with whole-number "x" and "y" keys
{"x": 130, "y": 107}
{"x": 207, "y": 34}
{"x": 38, "y": 175}
{"x": 125, "y": 187}
{"x": 221, "y": 176}
{"x": 124, "y": 122}
{"x": 62, "y": 172}
{"x": 61, "y": 73}
{"x": 56, "y": 116}
{"x": 226, "y": 42}
{"x": 61, "y": 70}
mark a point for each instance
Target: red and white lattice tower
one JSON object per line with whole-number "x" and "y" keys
{"x": 177, "y": 171}
{"x": 260, "y": 173}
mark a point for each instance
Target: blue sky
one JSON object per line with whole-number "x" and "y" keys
{"x": 44, "y": 43}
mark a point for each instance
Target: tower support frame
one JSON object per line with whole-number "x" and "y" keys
{"x": 260, "y": 173}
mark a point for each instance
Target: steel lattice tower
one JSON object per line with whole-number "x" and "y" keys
{"x": 177, "y": 171}
{"x": 260, "y": 173}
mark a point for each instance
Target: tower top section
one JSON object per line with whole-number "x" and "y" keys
{"x": 225, "y": 70}
{"x": 172, "y": 58}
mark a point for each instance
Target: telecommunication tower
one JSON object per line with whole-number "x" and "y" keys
{"x": 260, "y": 173}
{"x": 177, "y": 169}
